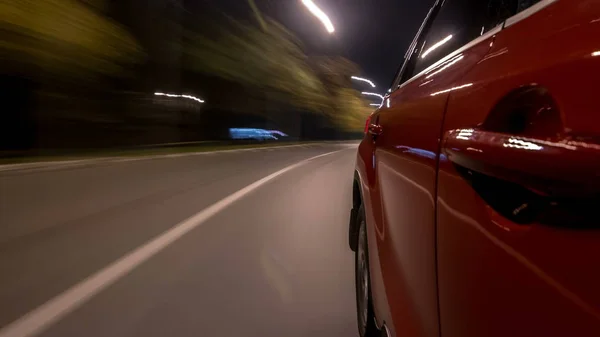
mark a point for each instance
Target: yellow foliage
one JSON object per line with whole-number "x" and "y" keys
{"x": 351, "y": 110}
{"x": 64, "y": 36}
{"x": 268, "y": 59}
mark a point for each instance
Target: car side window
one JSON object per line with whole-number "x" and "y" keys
{"x": 524, "y": 4}
{"x": 395, "y": 79}
{"x": 500, "y": 10}
{"x": 457, "y": 23}
{"x": 410, "y": 57}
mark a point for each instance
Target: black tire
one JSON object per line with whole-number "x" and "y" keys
{"x": 364, "y": 304}
{"x": 353, "y": 229}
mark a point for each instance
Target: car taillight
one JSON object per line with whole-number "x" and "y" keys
{"x": 367, "y": 123}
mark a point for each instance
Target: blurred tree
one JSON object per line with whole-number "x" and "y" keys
{"x": 348, "y": 109}
{"x": 67, "y": 38}
{"x": 59, "y": 59}
{"x": 268, "y": 59}
{"x": 334, "y": 71}
{"x": 64, "y": 62}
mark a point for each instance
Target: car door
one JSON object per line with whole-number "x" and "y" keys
{"x": 518, "y": 230}
{"x": 457, "y": 35}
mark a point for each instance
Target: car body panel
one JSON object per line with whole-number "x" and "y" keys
{"x": 497, "y": 277}
{"x": 365, "y": 168}
{"x": 434, "y": 242}
{"x": 403, "y": 209}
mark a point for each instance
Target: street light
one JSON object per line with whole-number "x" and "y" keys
{"x": 372, "y": 94}
{"x": 363, "y": 80}
{"x": 316, "y": 11}
{"x": 179, "y": 96}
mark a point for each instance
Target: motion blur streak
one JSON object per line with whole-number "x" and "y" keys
{"x": 372, "y": 94}
{"x": 257, "y": 134}
{"x": 363, "y": 80}
{"x": 175, "y": 95}
{"x": 123, "y": 118}
{"x": 316, "y": 11}
{"x": 129, "y": 74}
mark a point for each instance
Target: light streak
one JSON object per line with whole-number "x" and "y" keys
{"x": 372, "y": 94}
{"x": 316, "y": 11}
{"x": 179, "y": 96}
{"x": 363, "y": 80}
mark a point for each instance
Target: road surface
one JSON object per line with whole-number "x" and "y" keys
{"x": 242, "y": 243}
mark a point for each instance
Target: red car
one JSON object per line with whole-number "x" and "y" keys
{"x": 477, "y": 180}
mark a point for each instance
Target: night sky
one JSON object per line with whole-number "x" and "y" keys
{"x": 372, "y": 33}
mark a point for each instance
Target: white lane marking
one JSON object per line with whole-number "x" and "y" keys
{"x": 39, "y": 319}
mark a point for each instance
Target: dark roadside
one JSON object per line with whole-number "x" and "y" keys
{"x": 54, "y": 155}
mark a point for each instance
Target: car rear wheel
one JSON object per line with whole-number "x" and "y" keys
{"x": 364, "y": 307}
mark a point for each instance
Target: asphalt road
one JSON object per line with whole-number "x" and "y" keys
{"x": 197, "y": 245}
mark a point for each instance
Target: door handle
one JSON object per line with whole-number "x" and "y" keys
{"x": 375, "y": 130}
{"x": 564, "y": 166}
